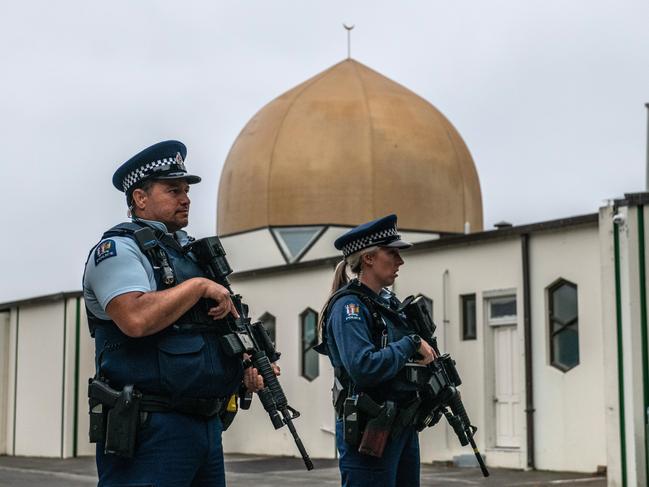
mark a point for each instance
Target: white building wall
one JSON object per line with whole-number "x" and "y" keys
{"x": 86, "y": 370}
{"x": 570, "y": 432}
{"x": 39, "y": 385}
{"x": 9, "y": 420}
{"x": 252, "y": 250}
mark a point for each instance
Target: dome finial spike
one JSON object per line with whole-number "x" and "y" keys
{"x": 349, "y": 39}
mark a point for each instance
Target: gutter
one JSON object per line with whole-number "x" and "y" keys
{"x": 527, "y": 326}
{"x": 620, "y": 351}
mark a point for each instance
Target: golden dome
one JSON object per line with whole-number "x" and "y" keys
{"x": 344, "y": 147}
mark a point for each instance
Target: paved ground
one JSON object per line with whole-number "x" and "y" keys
{"x": 246, "y": 471}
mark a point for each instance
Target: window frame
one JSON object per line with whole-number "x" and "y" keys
{"x": 505, "y": 319}
{"x": 552, "y": 319}
{"x": 306, "y": 348}
{"x": 464, "y": 298}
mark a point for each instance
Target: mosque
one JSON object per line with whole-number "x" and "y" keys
{"x": 547, "y": 321}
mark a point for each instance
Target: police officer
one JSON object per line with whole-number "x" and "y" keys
{"x": 369, "y": 344}
{"x": 137, "y": 293}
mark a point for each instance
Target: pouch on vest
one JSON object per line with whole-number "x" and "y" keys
{"x": 405, "y": 418}
{"x": 338, "y": 395}
{"x": 184, "y": 365}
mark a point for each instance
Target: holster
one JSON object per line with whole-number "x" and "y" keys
{"x": 114, "y": 417}
{"x": 122, "y": 422}
{"x": 377, "y": 431}
{"x": 352, "y": 426}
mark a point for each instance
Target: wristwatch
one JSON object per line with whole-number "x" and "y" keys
{"x": 417, "y": 339}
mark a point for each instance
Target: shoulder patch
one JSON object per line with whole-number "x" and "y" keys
{"x": 352, "y": 311}
{"x": 105, "y": 250}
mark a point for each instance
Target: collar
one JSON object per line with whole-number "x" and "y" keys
{"x": 384, "y": 296}
{"x": 180, "y": 235}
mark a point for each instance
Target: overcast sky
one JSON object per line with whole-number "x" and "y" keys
{"x": 548, "y": 94}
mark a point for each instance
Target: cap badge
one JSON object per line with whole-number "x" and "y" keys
{"x": 179, "y": 162}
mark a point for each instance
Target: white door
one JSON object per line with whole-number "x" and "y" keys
{"x": 502, "y": 320}
{"x": 507, "y": 397}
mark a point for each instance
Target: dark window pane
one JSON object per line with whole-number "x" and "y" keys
{"x": 564, "y": 302}
{"x": 309, "y": 328}
{"x": 296, "y": 239}
{"x": 566, "y": 348}
{"x": 468, "y": 317}
{"x": 503, "y": 307}
{"x": 310, "y": 358}
{"x": 311, "y": 367}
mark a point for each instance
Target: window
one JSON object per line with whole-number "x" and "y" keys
{"x": 502, "y": 310}
{"x": 564, "y": 321}
{"x": 310, "y": 358}
{"x": 269, "y": 324}
{"x": 468, "y": 317}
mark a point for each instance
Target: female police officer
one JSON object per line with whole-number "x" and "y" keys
{"x": 369, "y": 344}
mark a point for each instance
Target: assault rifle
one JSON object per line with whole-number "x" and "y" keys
{"x": 239, "y": 336}
{"x": 438, "y": 382}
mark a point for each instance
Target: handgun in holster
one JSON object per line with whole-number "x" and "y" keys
{"x": 378, "y": 427}
{"x": 121, "y": 420}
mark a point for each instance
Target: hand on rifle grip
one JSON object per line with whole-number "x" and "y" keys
{"x": 253, "y": 381}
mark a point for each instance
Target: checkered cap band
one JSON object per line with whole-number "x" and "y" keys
{"x": 146, "y": 170}
{"x": 384, "y": 236}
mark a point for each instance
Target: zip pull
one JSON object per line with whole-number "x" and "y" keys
{"x": 384, "y": 338}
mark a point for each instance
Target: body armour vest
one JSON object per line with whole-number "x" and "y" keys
{"x": 170, "y": 363}
{"x": 385, "y": 319}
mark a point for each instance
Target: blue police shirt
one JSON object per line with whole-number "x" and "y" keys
{"x": 118, "y": 266}
{"x": 350, "y": 343}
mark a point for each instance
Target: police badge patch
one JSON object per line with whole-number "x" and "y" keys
{"x": 352, "y": 311}
{"x": 179, "y": 161}
{"x": 105, "y": 250}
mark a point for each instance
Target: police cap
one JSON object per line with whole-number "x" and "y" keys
{"x": 381, "y": 232}
{"x": 164, "y": 160}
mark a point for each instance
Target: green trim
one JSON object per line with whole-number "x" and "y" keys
{"x": 620, "y": 351}
{"x": 75, "y": 424}
{"x": 65, "y": 332}
{"x": 643, "y": 328}
{"x": 13, "y": 449}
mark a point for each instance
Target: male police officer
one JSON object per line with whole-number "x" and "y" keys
{"x": 142, "y": 297}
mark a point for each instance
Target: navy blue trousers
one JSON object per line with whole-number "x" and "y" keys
{"x": 399, "y": 466}
{"x": 172, "y": 450}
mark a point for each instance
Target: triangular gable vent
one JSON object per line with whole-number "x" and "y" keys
{"x": 295, "y": 241}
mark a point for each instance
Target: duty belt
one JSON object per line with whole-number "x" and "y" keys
{"x": 186, "y": 405}
{"x": 205, "y": 407}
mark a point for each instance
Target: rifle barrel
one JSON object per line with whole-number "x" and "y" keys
{"x": 483, "y": 467}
